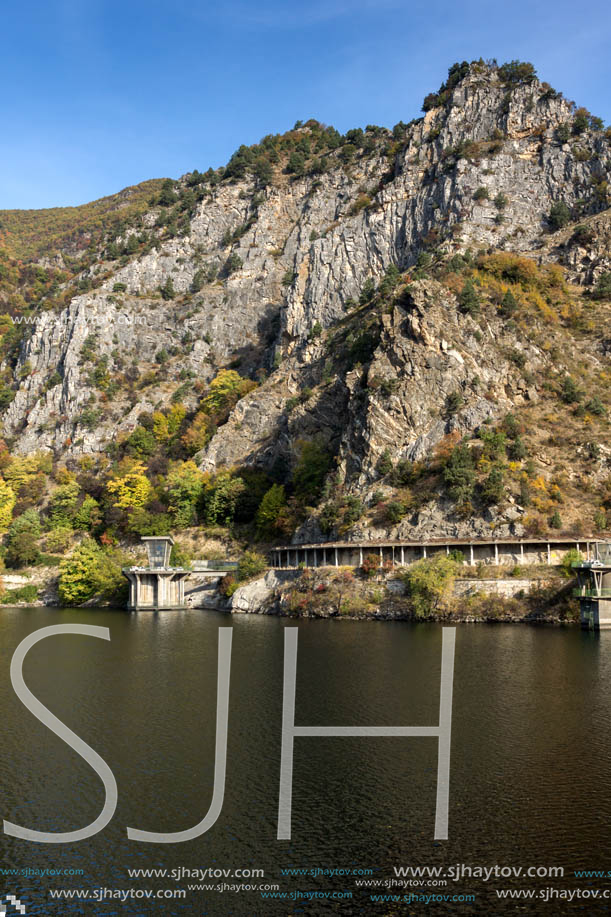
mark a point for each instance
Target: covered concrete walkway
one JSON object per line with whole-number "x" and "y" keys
{"x": 399, "y": 553}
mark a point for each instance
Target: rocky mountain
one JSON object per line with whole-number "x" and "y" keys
{"x": 406, "y": 331}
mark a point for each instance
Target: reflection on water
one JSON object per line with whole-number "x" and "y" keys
{"x": 529, "y": 776}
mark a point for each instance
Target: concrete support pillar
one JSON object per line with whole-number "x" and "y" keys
{"x": 381, "y": 557}
{"x": 315, "y": 557}
{"x": 306, "y": 556}
{"x": 393, "y": 555}
{"x": 336, "y": 558}
{"x": 496, "y": 554}
{"x": 522, "y": 552}
{"x": 424, "y": 551}
{"x": 447, "y": 549}
{"x": 324, "y": 557}
{"x": 471, "y": 557}
{"x": 549, "y": 554}
{"x": 360, "y": 555}
{"x": 402, "y": 556}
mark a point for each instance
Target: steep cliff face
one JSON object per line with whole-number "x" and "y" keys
{"x": 268, "y": 277}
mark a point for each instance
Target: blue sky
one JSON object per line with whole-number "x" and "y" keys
{"x": 100, "y": 94}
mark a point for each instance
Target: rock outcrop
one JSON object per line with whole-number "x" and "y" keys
{"x": 267, "y": 278}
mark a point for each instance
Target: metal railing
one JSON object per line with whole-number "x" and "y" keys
{"x": 214, "y": 566}
{"x": 604, "y": 593}
{"x": 601, "y": 551}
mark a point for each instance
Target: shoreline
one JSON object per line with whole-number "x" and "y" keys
{"x": 406, "y": 617}
{"x": 497, "y": 595}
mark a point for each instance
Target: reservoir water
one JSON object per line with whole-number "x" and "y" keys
{"x": 530, "y": 762}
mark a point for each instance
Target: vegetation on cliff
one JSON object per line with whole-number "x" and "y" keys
{"x": 397, "y": 363}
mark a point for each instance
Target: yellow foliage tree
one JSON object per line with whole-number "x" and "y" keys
{"x": 25, "y": 467}
{"x": 166, "y": 425}
{"x": 160, "y": 427}
{"x": 133, "y": 490}
{"x": 224, "y": 390}
{"x": 175, "y": 417}
{"x": 197, "y": 434}
{"x": 7, "y": 502}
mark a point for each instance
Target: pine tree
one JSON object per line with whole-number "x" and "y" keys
{"x": 508, "y": 305}
{"x": 468, "y": 300}
{"x": 167, "y": 289}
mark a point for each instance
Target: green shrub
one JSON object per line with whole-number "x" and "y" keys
{"x": 493, "y": 443}
{"x": 481, "y": 194}
{"x": 602, "y": 290}
{"x": 21, "y": 547}
{"x": 269, "y": 511}
{"x": 167, "y": 289}
{"x": 233, "y": 264}
{"x": 501, "y": 201}
{"x": 384, "y": 465}
{"x": 296, "y": 164}
{"x": 525, "y": 495}
{"x": 516, "y": 449}
{"x": 569, "y": 392}
{"x": 27, "y": 593}
{"x": 493, "y": 487}
{"x": 179, "y": 556}
{"x": 509, "y": 305}
{"x": 454, "y": 402}
{"x": 581, "y": 121}
{"x": 58, "y": 540}
{"x": 395, "y": 511}
{"x": 90, "y": 571}
{"x": 367, "y": 292}
{"x": 167, "y": 196}
{"x": 315, "y": 331}
{"x": 515, "y": 73}
{"x": 429, "y": 582}
{"x": 141, "y": 442}
{"x": 596, "y": 407}
{"x": 263, "y": 171}
{"x": 554, "y": 521}
{"x": 559, "y": 215}
{"x": 250, "y": 564}
{"x": 199, "y": 279}
{"x": 571, "y": 557}
{"x": 583, "y": 235}
{"x": 305, "y": 394}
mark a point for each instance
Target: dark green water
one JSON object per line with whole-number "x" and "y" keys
{"x": 530, "y": 769}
